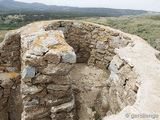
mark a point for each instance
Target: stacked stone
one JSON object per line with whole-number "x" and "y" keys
{"x": 9, "y": 70}
{"x": 46, "y": 62}
{"x": 9, "y": 53}
{"x": 122, "y": 85}
{"x": 93, "y": 44}
{"x": 96, "y": 45}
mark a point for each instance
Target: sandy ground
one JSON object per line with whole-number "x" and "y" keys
{"x": 89, "y": 81}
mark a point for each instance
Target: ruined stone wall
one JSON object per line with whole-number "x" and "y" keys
{"x": 45, "y": 52}
{"x": 122, "y": 85}
{"x": 134, "y": 73}
{"x": 9, "y": 71}
{"x": 93, "y": 44}
{"x": 10, "y": 53}
{"x": 45, "y": 96}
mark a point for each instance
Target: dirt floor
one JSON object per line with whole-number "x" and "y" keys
{"x": 89, "y": 81}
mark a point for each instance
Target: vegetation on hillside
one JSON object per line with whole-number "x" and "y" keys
{"x": 147, "y": 27}
{"x": 11, "y": 21}
{"x": 11, "y": 6}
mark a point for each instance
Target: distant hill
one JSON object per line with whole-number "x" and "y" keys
{"x": 7, "y": 6}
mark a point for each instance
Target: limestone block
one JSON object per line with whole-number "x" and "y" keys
{"x": 50, "y": 102}
{"x": 56, "y": 25}
{"x": 66, "y": 23}
{"x": 29, "y": 72}
{"x": 35, "y": 112}
{"x": 12, "y": 69}
{"x": 118, "y": 62}
{"x": 112, "y": 67}
{"x": 32, "y": 102}
{"x": 100, "y": 51}
{"x": 69, "y": 57}
{"x": 58, "y": 87}
{"x": 6, "y": 81}
{"x": 40, "y": 78}
{"x": 62, "y": 68}
{"x": 36, "y": 62}
{"x": 64, "y": 29}
{"x": 30, "y": 90}
{"x": 39, "y": 51}
{"x": 127, "y": 72}
{"x": 114, "y": 33}
{"x": 53, "y": 56}
{"x": 114, "y": 78}
{"x": 78, "y": 24}
{"x": 65, "y": 115}
{"x": 27, "y": 41}
{"x": 108, "y": 58}
{"x": 66, "y": 107}
{"x": 101, "y": 45}
{"x": 60, "y": 93}
{"x": 116, "y": 42}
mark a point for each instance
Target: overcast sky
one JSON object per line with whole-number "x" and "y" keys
{"x": 153, "y": 5}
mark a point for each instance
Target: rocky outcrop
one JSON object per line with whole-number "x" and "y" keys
{"x": 39, "y": 57}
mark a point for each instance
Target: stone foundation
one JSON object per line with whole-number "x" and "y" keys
{"x": 40, "y": 56}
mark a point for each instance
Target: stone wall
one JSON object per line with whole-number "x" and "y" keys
{"x": 134, "y": 73}
{"x": 122, "y": 85}
{"x": 93, "y": 44}
{"x": 45, "y": 52}
{"x": 9, "y": 71}
{"x": 44, "y": 96}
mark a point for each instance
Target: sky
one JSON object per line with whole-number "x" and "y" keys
{"x": 152, "y": 5}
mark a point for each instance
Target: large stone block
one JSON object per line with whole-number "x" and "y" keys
{"x": 66, "y": 107}
{"x": 69, "y": 57}
{"x": 6, "y": 80}
{"x": 101, "y": 45}
{"x": 53, "y": 56}
{"x": 29, "y": 72}
{"x": 30, "y": 90}
{"x": 58, "y": 87}
{"x": 113, "y": 67}
{"x": 60, "y": 69}
{"x": 40, "y": 78}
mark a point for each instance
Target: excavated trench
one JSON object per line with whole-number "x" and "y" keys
{"x": 100, "y": 82}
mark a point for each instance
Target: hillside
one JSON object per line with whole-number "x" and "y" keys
{"x": 11, "y": 6}
{"x": 146, "y": 27}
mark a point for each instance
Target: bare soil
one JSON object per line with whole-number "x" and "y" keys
{"x": 89, "y": 81}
